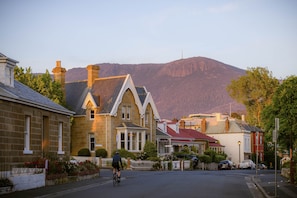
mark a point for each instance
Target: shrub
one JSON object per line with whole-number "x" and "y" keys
{"x": 125, "y": 154}
{"x": 150, "y": 149}
{"x": 5, "y": 182}
{"x": 101, "y": 153}
{"x": 205, "y": 158}
{"x": 219, "y": 158}
{"x": 84, "y": 152}
{"x": 210, "y": 153}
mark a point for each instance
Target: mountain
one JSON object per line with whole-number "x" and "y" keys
{"x": 179, "y": 88}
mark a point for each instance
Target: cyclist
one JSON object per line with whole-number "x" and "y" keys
{"x": 116, "y": 161}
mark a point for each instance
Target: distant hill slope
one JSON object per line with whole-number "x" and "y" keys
{"x": 179, "y": 88}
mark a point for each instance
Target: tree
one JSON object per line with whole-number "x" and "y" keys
{"x": 254, "y": 90}
{"x": 284, "y": 107}
{"x": 43, "y": 84}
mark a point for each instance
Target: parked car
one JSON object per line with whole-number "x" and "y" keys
{"x": 226, "y": 164}
{"x": 262, "y": 166}
{"x": 247, "y": 164}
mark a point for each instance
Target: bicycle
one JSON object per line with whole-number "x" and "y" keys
{"x": 115, "y": 178}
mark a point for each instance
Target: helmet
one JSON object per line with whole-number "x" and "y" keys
{"x": 117, "y": 152}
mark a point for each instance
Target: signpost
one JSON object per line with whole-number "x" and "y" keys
{"x": 274, "y": 139}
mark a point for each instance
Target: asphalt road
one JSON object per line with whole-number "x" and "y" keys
{"x": 146, "y": 184}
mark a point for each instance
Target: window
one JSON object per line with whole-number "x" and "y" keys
{"x": 92, "y": 142}
{"x": 146, "y": 117}
{"x": 92, "y": 115}
{"x": 122, "y": 140}
{"x": 131, "y": 141}
{"x": 27, "y": 135}
{"x": 60, "y": 139}
{"x": 126, "y": 112}
{"x": 123, "y": 112}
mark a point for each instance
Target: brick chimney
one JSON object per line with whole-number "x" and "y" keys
{"x": 93, "y": 73}
{"x": 227, "y": 125}
{"x": 182, "y": 124}
{"x": 59, "y": 75}
{"x": 203, "y": 125}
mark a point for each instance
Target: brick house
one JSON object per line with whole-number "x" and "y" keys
{"x": 31, "y": 125}
{"x": 111, "y": 113}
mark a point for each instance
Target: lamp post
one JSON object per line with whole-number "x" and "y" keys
{"x": 239, "y": 142}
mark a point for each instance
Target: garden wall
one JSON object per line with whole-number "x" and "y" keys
{"x": 27, "y": 178}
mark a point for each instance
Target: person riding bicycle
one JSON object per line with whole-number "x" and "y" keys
{"x": 116, "y": 161}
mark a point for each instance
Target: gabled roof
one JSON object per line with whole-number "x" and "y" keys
{"x": 22, "y": 94}
{"x": 146, "y": 99}
{"x": 106, "y": 93}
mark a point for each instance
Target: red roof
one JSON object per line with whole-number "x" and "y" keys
{"x": 191, "y": 134}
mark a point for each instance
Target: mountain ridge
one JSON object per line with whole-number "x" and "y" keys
{"x": 180, "y": 87}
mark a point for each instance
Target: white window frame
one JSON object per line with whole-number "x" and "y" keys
{"x": 60, "y": 139}
{"x": 27, "y": 133}
{"x": 128, "y": 114}
{"x": 146, "y": 117}
{"x": 132, "y": 141}
{"x": 123, "y": 112}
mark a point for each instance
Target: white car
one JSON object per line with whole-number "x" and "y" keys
{"x": 247, "y": 164}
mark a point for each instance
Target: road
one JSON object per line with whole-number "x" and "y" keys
{"x": 179, "y": 184}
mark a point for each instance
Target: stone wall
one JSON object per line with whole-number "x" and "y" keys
{"x": 12, "y": 127}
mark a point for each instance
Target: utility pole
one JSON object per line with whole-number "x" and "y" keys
{"x": 275, "y": 156}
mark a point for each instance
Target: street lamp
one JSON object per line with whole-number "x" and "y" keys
{"x": 239, "y": 142}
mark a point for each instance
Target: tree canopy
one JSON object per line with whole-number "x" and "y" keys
{"x": 254, "y": 90}
{"x": 284, "y": 107}
{"x": 42, "y": 83}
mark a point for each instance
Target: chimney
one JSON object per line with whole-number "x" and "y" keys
{"x": 7, "y": 66}
{"x": 59, "y": 76}
{"x": 203, "y": 125}
{"x": 227, "y": 125}
{"x": 182, "y": 124}
{"x": 242, "y": 118}
{"x": 93, "y": 73}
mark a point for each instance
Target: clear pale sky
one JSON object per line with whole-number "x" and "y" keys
{"x": 247, "y": 33}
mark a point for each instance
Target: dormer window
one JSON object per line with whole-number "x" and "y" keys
{"x": 92, "y": 114}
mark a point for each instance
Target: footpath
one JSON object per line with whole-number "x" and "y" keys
{"x": 265, "y": 181}
{"x": 267, "y": 185}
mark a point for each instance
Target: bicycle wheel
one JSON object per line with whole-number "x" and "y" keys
{"x": 114, "y": 179}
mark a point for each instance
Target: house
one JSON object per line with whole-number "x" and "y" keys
{"x": 31, "y": 125}
{"x": 110, "y": 113}
{"x": 179, "y": 137}
{"x": 238, "y": 137}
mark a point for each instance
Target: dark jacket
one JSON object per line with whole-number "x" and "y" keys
{"x": 117, "y": 159}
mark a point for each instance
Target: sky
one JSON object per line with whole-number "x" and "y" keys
{"x": 244, "y": 34}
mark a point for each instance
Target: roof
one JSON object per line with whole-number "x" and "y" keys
{"x": 130, "y": 125}
{"x": 192, "y": 135}
{"x": 104, "y": 92}
{"x": 235, "y": 126}
{"x": 22, "y": 94}
{"x": 141, "y": 93}
{"x": 161, "y": 134}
